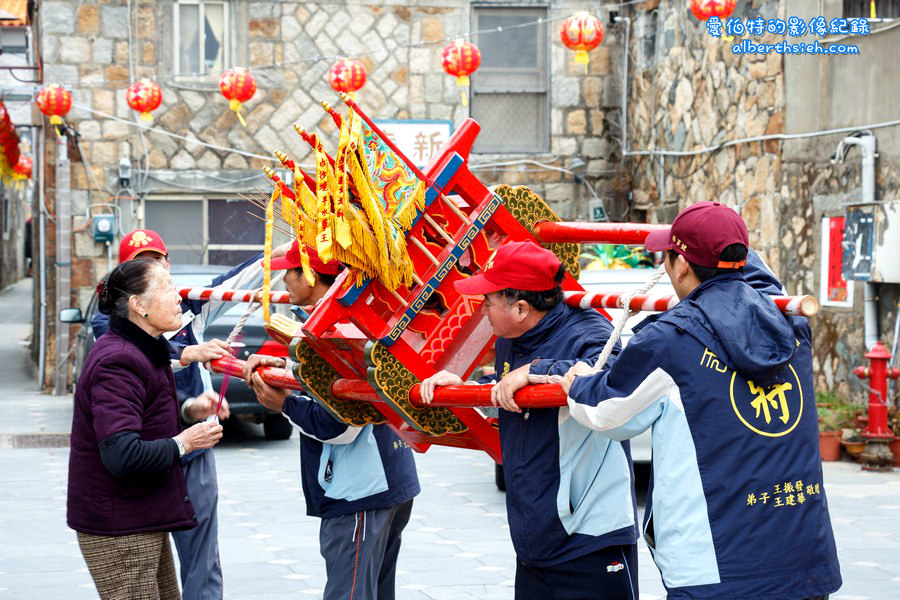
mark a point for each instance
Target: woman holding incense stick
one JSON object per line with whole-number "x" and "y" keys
{"x": 200, "y": 567}
{"x": 126, "y": 488}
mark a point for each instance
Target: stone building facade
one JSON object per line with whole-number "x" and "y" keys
{"x": 98, "y": 48}
{"x": 544, "y": 119}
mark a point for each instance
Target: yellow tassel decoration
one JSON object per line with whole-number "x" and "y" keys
{"x": 267, "y": 253}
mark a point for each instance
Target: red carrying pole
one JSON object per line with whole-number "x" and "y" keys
{"x": 794, "y": 306}
{"x": 595, "y": 233}
{"x": 641, "y": 302}
{"x": 454, "y": 396}
{"x": 200, "y": 293}
{"x": 803, "y": 306}
{"x": 280, "y": 378}
{"x": 354, "y": 389}
{"x": 468, "y": 396}
{"x": 532, "y": 396}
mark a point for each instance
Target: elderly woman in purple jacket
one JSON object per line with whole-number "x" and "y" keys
{"x": 126, "y": 487}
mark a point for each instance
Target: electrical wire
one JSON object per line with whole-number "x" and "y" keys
{"x": 170, "y": 134}
{"x": 762, "y": 138}
{"x": 224, "y": 187}
{"x": 696, "y": 169}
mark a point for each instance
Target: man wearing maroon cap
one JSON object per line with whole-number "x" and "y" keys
{"x": 569, "y": 490}
{"x": 737, "y": 504}
{"x": 360, "y": 481}
{"x": 198, "y": 548}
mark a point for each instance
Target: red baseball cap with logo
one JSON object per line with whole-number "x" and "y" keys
{"x": 518, "y": 266}
{"x": 700, "y": 233}
{"x": 138, "y": 241}
{"x": 292, "y": 260}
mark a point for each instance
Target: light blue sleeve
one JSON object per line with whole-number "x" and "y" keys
{"x": 625, "y": 400}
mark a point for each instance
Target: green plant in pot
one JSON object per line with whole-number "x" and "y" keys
{"x": 834, "y": 415}
{"x": 852, "y": 441}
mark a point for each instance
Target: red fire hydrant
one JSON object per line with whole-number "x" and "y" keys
{"x": 877, "y": 456}
{"x": 877, "y": 374}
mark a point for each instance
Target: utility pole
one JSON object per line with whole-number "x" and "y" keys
{"x": 63, "y": 260}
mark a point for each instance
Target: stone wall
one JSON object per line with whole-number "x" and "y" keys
{"x": 690, "y": 91}
{"x": 86, "y": 46}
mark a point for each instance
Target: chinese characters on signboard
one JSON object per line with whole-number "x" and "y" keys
{"x": 420, "y": 140}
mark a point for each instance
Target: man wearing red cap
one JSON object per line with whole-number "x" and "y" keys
{"x": 737, "y": 504}
{"x": 569, "y": 491}
{"x": 360, "y": 481}
{"x": 198, "y": 548}
{"x": 302, "y": 292}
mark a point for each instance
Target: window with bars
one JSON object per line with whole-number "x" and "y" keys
{"x": 201, "y": 37}
{"x": 510, "y": 91}
{"x": 211, "y": 231}
{"x": 884, "y": 9}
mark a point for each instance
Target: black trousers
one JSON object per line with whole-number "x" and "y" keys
{"x": 607, "y": 574}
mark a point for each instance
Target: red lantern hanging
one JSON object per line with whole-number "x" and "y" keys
{"x": 704, "y": 9}
{"x": 582, "y": 32}
{"x": 23, "y": 167}
{"x": 55, "y": 102}
{"x": 460, "y": 59}
{"x": 4, "y": 116}
{"x": 144, "y": 96}
{"x": 347, "y": 75}
{"x": 238, "y": 86}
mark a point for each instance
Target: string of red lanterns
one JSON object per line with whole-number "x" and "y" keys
{"x": 9, "y": 140}
{"x": 581, "y": 32}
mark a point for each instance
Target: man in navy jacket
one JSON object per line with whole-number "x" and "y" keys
{"x": 360, "y": 481}
{"x": 569, "y": 491}
{"x": 737, "y": 507}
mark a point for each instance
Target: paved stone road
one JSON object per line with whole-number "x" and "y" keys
{"x": 455, "y": 548}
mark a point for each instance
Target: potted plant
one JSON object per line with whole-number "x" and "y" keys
{"x": 832, "y": 416}
{"x": 853, "y": 442}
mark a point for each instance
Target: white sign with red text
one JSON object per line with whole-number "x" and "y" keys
{"x": 420, "y": 140}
